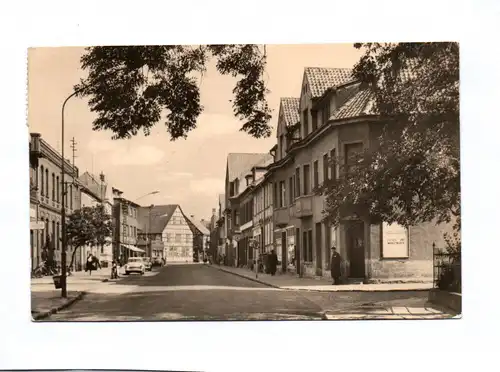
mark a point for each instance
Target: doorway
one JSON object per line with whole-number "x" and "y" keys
{"x": 284, "y": 252}
{"x": 355, "y": 241}
{"x": 319, "y": 256}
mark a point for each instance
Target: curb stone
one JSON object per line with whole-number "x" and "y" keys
{"x": 319, "y": 290}
{"x": 246, "y": 277}
{"x": 46, "y": 314}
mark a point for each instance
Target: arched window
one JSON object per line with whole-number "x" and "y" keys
{"x": 42, "y": 184}
{"x": 46, "y": 182}
{"x": 53, "y": 187}
{"x": 58, "y": 235}
{"x": 46, "y": 231}
{"x": 57, "y": 190}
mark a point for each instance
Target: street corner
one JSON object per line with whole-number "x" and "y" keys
{"x": 44, "y": 304}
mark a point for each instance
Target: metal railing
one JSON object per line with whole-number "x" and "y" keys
{"x": 447, "y": 269}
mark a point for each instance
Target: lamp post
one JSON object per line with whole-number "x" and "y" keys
{"x": 63, "y": 204}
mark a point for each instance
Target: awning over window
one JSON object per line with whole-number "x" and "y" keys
{"x": 132, "y": 248}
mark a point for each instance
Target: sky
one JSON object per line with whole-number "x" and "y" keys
{"x": 189, "y": 172}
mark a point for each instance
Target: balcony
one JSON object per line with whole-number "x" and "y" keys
{"x": 303, "y": 206}
{"x": 281, "y": 216}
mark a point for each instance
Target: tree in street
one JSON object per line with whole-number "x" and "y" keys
{"x": 412, "y": 174}
{"x": 88, "y": 226}
{"x": 132, "y": 87}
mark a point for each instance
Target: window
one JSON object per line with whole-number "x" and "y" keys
{"x": 290, "y": 191}
{"x": 178, "y": 238}
{"x": 297, "y": 182}
{"x": 42, "y": 188}
{"x": 58, "y": 197}
{"x": 124, "y": 230}
{"x": 307, "y": 179}
{"x": 305, "y": 120}
{"x": 282, "y": 194}
{"x": 351, "y": 152}
{"x": 46, "y": 182}
{"x": 231, "y": 188}
{"x": 70, "y": 196}
{"x": 314, "y": 120}
{"x": 53, "y": 235}
{"x": 53, "y": 187}
{"x": 282, "y": 149}
{"x": 326, "y": 168}
{"x": 333, "y": 165}
{"x": 276, "y": 194}
{"x": 316, "y": 174}
{"x": 58, "y": 234}
{"x": 326, "y": 113}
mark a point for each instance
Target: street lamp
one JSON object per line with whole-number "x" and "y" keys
{"x": 63, "y": 204}
{"x": 149, "y": 193}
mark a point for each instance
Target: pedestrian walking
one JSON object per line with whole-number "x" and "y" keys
{"x": 273, "y": 262}
{"x": 114, "y": 270}
{"x": 335, "y": 266}
{"x": 89, "y": 265}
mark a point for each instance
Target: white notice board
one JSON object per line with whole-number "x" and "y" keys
{"x": 394, "y": 241}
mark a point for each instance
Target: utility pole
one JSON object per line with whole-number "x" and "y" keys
{"x": 73, "y": 150}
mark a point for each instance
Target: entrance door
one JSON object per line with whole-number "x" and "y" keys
{"x": 297, "y": 251}
{"x": 284, "y": 252}
{"x": 356, "y": 248}
{"x": 319, "y": 256}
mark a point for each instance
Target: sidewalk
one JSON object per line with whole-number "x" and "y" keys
{"x": 388, "y": 312}
{"x": 46, "y": 300}
{"x": 291, "y": 282}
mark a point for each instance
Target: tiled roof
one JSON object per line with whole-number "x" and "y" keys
{"x": 198, "y": 225}
{"x": 359, "y": 104}
{"x": 290, "y": 110}
{"x": 321, "y": 78}
{"x": 237, "y": 163}
{"x": 160, "y": 215}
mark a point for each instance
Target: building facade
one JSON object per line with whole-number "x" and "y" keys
{"x": 50, "y": 192}
{"x": 126, "y": 227}
{"x": 35, "y": 224}
{"x": 169, "y": 233}
{"x": 95, "y": 191}
{"x": 317, "y": 134}
{"x": 237, "y": 167}
{"x": 201, "y": 236}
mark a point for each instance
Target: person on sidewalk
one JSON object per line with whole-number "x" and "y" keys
{"x": 335, "y": 266}
{"x": 114, "y": 270}
{"x": 273, "y": 262}
{"x": 89, "y": 266}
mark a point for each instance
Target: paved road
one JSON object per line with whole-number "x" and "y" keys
{"x": 201, "y": 292}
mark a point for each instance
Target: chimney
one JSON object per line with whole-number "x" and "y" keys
{"x": 213, "y": 211}
{"x": 192, "y": 216}
{"x": 102, "y": 177}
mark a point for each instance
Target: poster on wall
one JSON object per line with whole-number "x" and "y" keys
{"x": 333, "y": 237}
{"x": 394, "y": 241}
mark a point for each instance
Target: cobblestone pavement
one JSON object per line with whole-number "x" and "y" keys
{"x": 191, "y": 291}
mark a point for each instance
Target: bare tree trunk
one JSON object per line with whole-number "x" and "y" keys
{"x": 73, "y": 258}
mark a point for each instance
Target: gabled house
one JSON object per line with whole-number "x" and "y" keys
{"x": 200, "y": 237}
{"x": 336, "y": 121}
{"x": 166, "y": 232}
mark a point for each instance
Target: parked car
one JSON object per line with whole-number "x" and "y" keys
{"x": 148, "y": 263}
{"x": 135, "y": 265}
{"x": 157, "y": 262}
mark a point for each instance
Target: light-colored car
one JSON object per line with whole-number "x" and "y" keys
{"x": 135, "y": 265}
{"x": 148, "y": 263}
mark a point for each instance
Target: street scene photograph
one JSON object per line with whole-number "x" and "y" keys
{"x": 241, "y": 182}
